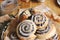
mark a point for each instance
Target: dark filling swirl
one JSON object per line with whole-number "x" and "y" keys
{"x": 55, "y": 37}
{"x": 25, "y": 29}
{"x": 39, "y": 31}
{"x": 39, "y": 19}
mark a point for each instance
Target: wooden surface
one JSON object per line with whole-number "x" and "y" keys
{"x": 50, "y": 3}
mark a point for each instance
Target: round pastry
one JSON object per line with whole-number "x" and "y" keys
{"x": 24, "y": 15}
{"x": 40, "y": 20}
{"x": 49, "y": 33}
{"x": 26, "y": 30}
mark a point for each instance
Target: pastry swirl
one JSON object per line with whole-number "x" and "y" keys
{"x": 39, "y": 31}
{"x": 40, "y": 20}
{"x": 48, "y": 33}
{"x": 26, "y": 28}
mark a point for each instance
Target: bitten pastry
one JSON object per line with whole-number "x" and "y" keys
{"x": 26, "y": 30}
{"x": 24, "y": 15}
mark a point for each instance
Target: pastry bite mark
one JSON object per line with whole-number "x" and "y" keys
{"x": 24, "y": 15}
{"x": 25, "y": 29}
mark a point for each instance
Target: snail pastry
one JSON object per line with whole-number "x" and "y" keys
{"x": 26, "y": 30}
{"x": 40, "y": 20}
{"x": 49, "y": 33}
{"x": 24, "y": 15}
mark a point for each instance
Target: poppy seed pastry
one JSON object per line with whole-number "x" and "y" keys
{"x": 40, "y": 20}
{"x": 48, "y": 33}
{"x": 45, "y": 29}
{"x": 26, "y": 30}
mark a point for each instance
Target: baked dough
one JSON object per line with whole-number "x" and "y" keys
{"x": 26, "y": 30}
{"x": 48, "y": 34}
{"x": 40, "y": 20}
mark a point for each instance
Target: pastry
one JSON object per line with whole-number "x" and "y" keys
{"x": 26, "y": 30}
{"x": 40, "y": 20}
{"x": 48, "y": 33}
{"x": 24, "y": 15}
